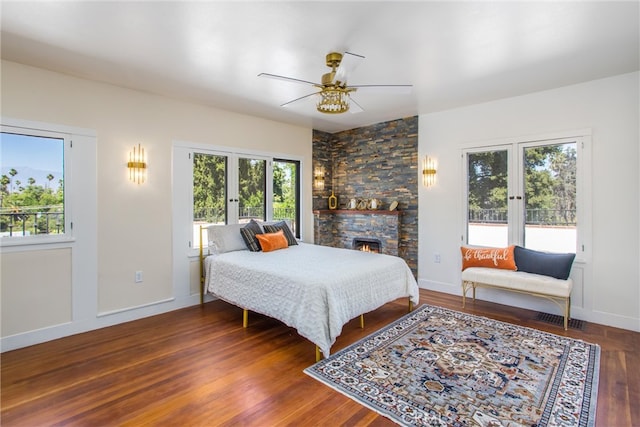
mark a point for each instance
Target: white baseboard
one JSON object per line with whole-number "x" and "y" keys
{"x": 101, "y": 320}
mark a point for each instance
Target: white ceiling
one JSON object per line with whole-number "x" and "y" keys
{"x": 453, "y": 53}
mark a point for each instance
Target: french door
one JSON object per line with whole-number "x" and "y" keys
{"x": 229, "y": 188}
{"x": 524, "y": 193}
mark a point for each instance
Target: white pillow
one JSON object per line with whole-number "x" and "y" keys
{"x": 225, "y": 238}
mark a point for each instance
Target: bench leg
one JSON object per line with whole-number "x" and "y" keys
{"x": 464, "y": 294}
{"x": 465, "y": 287}
{"x": 567, "y": 309}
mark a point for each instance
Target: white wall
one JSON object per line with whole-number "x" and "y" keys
{"x": 134, "y": 221}
{"x": 610, "y": 108}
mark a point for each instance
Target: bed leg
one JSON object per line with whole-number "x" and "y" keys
{"x": 201, "y": 265}
{"x": 245, "y": 318}
{"x": 410, "y": 305}
{"x": 362, "y": 321}
{"x": 318, "y": 354}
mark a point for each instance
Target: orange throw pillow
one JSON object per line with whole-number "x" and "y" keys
{"x": 272, "y": 241}
{"x": 488, "y": 257}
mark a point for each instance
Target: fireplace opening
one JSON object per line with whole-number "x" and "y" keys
{"x": 367, "y": 244}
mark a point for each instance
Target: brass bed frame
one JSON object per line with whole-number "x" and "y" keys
{"x": 245, "y": 312}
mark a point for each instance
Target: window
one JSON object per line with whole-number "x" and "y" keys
{"x": 234, "y": 188}
{"x": 526, "y": 193}
{"x": 550, "y": 214}
{"x": 487, "y": 194}
{"x": 32, "y": 190}
{"x": 209, "y": 188}
{"x": 252, "y": 189}
{"x": 286, "y": 192}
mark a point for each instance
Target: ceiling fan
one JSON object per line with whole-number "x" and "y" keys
{"x": 334, "y": 96}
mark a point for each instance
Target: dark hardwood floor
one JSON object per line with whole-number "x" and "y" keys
{"x": 199, "y": 367}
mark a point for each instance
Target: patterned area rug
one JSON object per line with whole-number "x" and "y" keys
{"x": 439, "y": 367}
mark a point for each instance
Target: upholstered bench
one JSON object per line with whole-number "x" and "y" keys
{"x": 520, "y": 270}
{"x": 557, "y": 290}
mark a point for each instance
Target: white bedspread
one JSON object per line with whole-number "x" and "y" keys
{"x": 315, "y": 289}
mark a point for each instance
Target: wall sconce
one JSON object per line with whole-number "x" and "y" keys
{"x": 428, "y": 171}
{"x": 318, "y": 178}
{"x": 137, "y": 165}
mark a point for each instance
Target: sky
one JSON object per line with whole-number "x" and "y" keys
{"x": 31, "y": 156}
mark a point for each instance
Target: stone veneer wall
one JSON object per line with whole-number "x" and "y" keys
{"x": 378, "y": 161}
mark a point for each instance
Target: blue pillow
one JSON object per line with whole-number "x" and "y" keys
{"x": 545, "y": 263}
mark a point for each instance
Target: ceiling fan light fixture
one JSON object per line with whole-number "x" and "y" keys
{"x": 334, "y": 96}
{"x": 333, "y": 100}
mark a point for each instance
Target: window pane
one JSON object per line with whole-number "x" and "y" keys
{"x": 487, "y": 198}
{"x": 550, "y": 197}
{"x": 32, "y": 185}
{"x": 209, "y": 192}
{"x": 286, "y": 193}
{"x": 252, "y": 187}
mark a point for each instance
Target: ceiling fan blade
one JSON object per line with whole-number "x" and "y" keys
{"x": 354, "y": 107}
{"x": 348, "y": 63}
{"x": 286, "y": 79}
{"x": 399, "y": 89}
{"x": 286, "y": 104}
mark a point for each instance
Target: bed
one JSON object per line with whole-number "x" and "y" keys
{"x": 314, "y": 289}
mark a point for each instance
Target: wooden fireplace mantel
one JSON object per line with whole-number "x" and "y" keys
{"x": 355, "y": 212}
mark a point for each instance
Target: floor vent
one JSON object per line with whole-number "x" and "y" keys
{"x": 559, "y": 320}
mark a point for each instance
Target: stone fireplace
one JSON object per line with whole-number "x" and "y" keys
{"x": 350, "y": 229}
{"x": 378, "y": 161}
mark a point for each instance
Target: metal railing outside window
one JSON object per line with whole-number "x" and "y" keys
{"x": 216, "y": 215}
{"x": 31, "y": 220}
{"x": 550, "y": 217}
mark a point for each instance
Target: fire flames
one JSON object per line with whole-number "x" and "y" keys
{"x": 367, "y": 248}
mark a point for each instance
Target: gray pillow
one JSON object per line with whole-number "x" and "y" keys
{"x": 248, "y": 233}
{"x": 545, "y": 263}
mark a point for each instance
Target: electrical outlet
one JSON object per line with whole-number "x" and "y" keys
{"x": 138, "y": 277}
{"x": 436, "y": 258}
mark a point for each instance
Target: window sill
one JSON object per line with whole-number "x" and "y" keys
{"x": 8, "y": 244}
